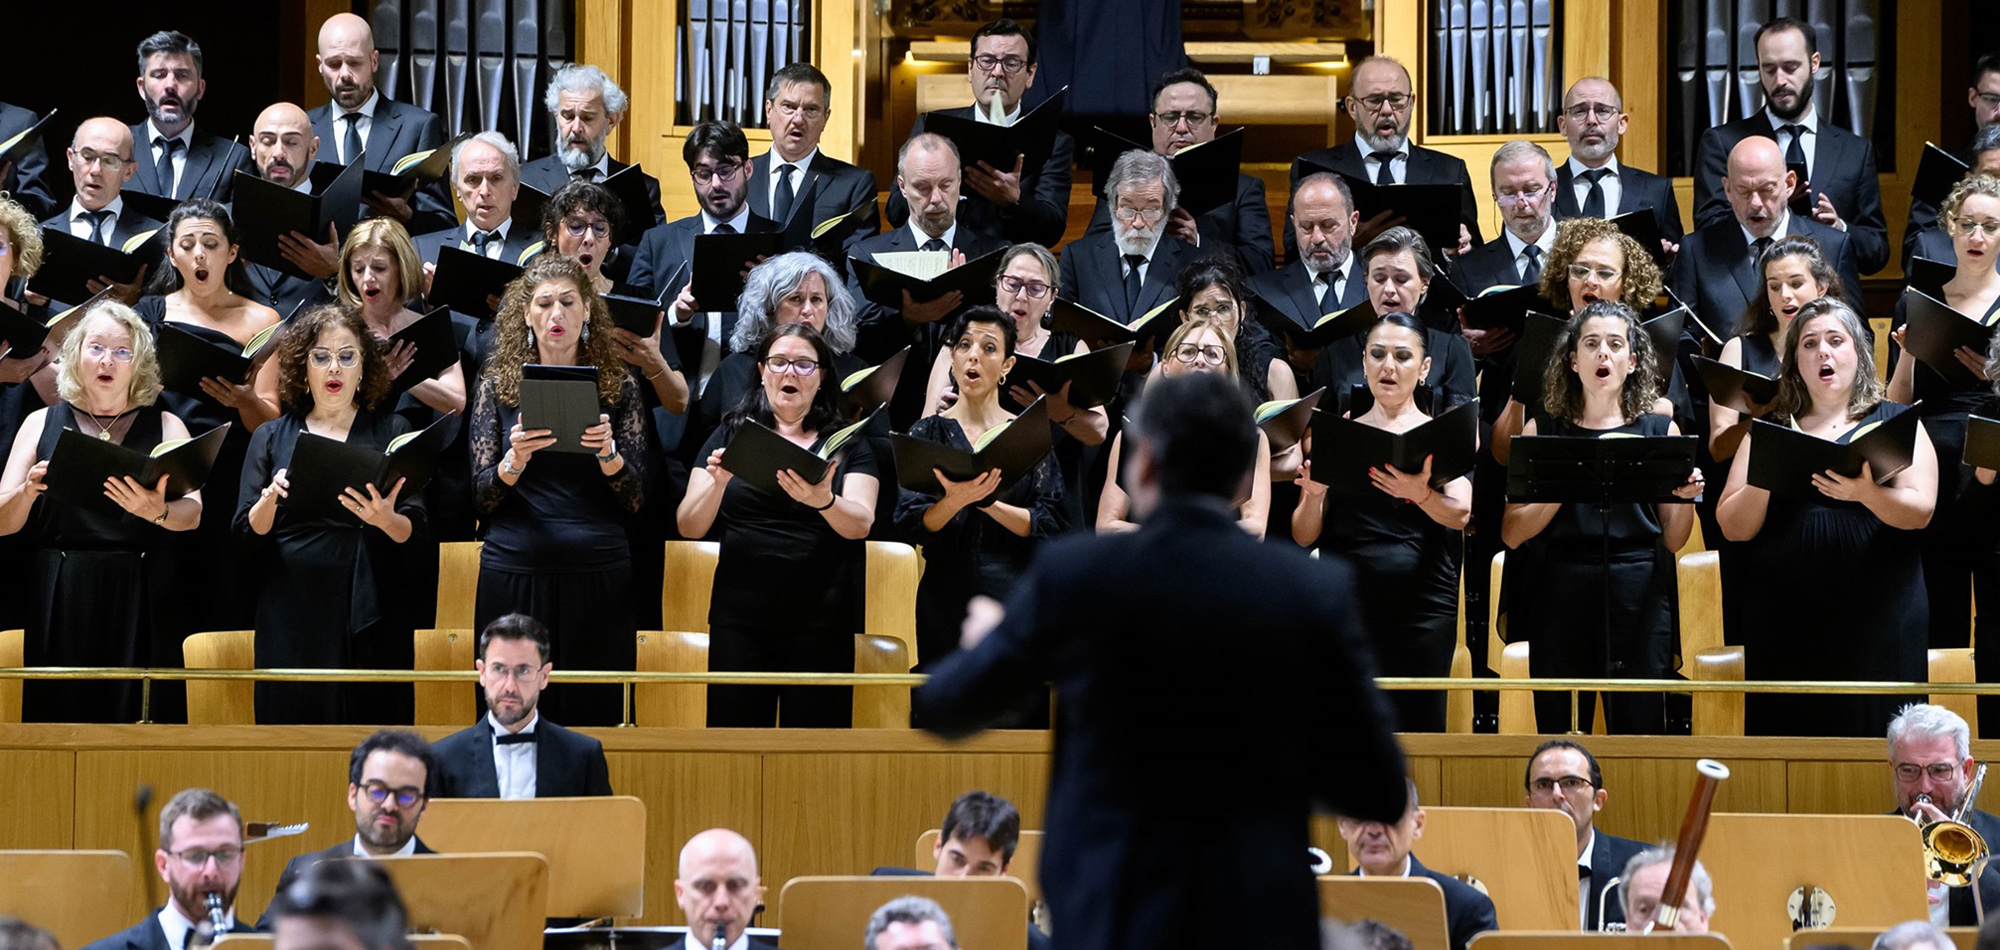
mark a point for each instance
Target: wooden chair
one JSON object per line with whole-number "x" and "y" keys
{"x": 12, "y": 653}
{"x": 78, "y": 896}
{"x": 687, "y": 579}
{"x": 1962, "y": 938}
{"x": 1517, "y": 706}
{"x": 1955, "y": 666}
{"x": 1458, "y": 702}
{"x": 1523, "y": 857}
{"x": 825, "y": 913}
{"x": 458, "y": 583}
{"x": 1699, "y": 576}
{"x": 881, "y": 707}
{"x": 445, "y": 704}
{"x": 1496, "y": 622}
{"x": 221, "y": 702}
{"x": 1413, "y": 906}
{"x": 1718, "y": 714}
{"x": 595, "y": 847}
{"x": 685, "y": 705}
{"x": 890, "y": 608}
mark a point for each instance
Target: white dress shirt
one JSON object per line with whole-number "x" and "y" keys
{"x": 917, "y": 233}
{"x": 1585, "y": 872}
{"x": 714, "y": 345}
{"x": 1611, "y": 184}
{"x": 409, "y": 848}
{"x": 1125, "y": 266}
{"x": 798, "y": 178}
{"x": 176, "y": 927}
{"x": 1519, "y": 248}
{"x": 1363, "y": 871}
{"x": 170, "y": 176}
{"x": 365, "y": 124}
{"x": 514, "y": 763}
{"x": 1783, "y": 228}
{"x": 82, "y": 226}
{"x": 694, "y": 943}
{"x": 1810, "y": 120}
{"x": 1399, "y": 167}
{"x": 1335, "y": 286}
{"x": 979, "y": 114}
{"x": 492, "y": 248}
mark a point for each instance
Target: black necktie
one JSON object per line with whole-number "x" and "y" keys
{"x": 99, "y": 234}
{"x": 1757, "y": 249}
{"x": 1583, "y": 872}
{"x": 781, "y": 203}
{"x": 1593, "y": 202}
{"x": 351, "y": 146}
{"x": 514, "y": 738}
{"x": 194, "y": 938}
{"x": 934, "y": 244}
{"x": 724, "y": 228}
{"x": 1132, "y": 279}
{"x": 1382, "y": 175}
{"x": 587, "y": 174}
{"x": 482, "y": 238}
{"x": 1795, "y": 153}
{"x": 1531, "y": 269}
{"x": 168, "y": 180}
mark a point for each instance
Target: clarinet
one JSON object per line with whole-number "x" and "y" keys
{"x": 721, "y": 941}
{"x": 218, "y": 919}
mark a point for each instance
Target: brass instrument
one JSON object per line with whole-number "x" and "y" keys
{"x": 1952, "y": 849}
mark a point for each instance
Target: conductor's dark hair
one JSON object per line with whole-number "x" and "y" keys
{"x": 393, "y": 740}
{"x": 18, "y": 934}
{"x": 358, "y": 894}
{"x": 167, "y": 278}
{"x": 1198, "y": 428}
{"x": 169, "y": 41}
{"x": 719, "y": 139}
{"x": 983, "y": 314}
{"x": 1988, "y": 63}
{"x": 989, "y": 818}
{"x": 1006, "y": 27}
{"x": 1789, "y": 23}
{"x": 516, "y": 627}
{"x": 1185, "y": 74}
{"x": 1596, "y": 774}
{"x": 753, "y": 404}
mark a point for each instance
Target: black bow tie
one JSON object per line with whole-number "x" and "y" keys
{"x": 510, "y": 738}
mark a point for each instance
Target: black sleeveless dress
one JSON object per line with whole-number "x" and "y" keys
{"x": 1740, "y": 582}
{"x": 102, "y": 593}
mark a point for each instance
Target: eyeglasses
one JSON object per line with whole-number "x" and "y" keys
{"x": 347, "y": 357}
{"x": 1145, "y": 216}
{"x": 1989, "y": 100}
{"x": 597, "y": 229}
{"x": 110, "y": 163}
{"x": 1570, "y": 785}
{"x": 1938, "y": 771}
{"x": 1584, "y": 110}
{"x": 1193, "y": 119}
{"x": 194, "y": 859}
{"x": 98, "y": 351}
{"x": 1032, "y": 289}
{"x": 1189, "y": 353}
{"x": 1525, "y": 197}
{"x": 1223, "y": 312}
{"x": 811, "y": 111}
{"x": 503, "y": 672}
{"x": 703, "y": 174}
{"x": 1988, "y": 227}
{"x": 1580, "y": 272}
{"x": 1396, "y": 101}
{"x": 799, "y": 367}
{"x": 1009, "y": 65}
{"x": 405, "y": 797}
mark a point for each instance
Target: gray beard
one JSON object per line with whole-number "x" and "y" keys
{"x": 1591, "y": 154}
{"x": 578, "y": 158}
{"x": 1391, "y": 144}
{"x": 1133, "y": 240}
{"x": 187, "y": 113}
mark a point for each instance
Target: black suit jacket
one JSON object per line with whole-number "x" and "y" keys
{"x": 835, "y": 188}
{"x": 147, "y": 935}
{"x": 1288, "y": 291}
{"x": 1467, "y": 912}
{"x": 1715, "y": 276}
{"x": 1425, "y": 167}
{"x": 1639, "y": 189}
{"x": 398, "y": 129}
{"x": 657, "y": 269}
{"x": 514, "y": 250}
{"x": 1608, "y": 857}
{"x": 1489, "y": 265}
{"x": 1092, "y": 275}
{"x": 28, "y": 181}
{"x": 1138, "y": 853}
{"x": 304, "y": 862}
{"x": 548, "y": 174}
{"x": 1843, "y": 171}
{"x": 129, "y": 224}
{"x": 283, "y": 292}
{"x": 212, "y": 162}
{"x": 1041, "y": 216}
{"x": 567, "y": 764}
{"x": 1243, "y": 227}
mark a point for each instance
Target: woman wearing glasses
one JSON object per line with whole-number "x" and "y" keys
{"x": 102, "y": 591}
{"x": 796, "y": 287}
{"x": 327, "y": 594}
{"x": 1953, "y": 546}
{"x": 788, "y": 578}
{"x": 1402, "y": 537}
{"x": 1197, "y": 346}
{"x": 579, "y": 222}
{"x": 554, "y": 516}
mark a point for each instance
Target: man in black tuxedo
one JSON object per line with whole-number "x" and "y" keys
{"x": 1183, "y": 115}
{"x": 1142, "y": 770}
{"x": 1983, "y": 97}
{"x": 390, "y": 776}
{"x": 1930, "y": 757}
{"x": 513, "y": 752}
{"x": 351, "y": 905}
{"x": 283, "y": 148}
{"x": 587, "y": 105}
{"x": 172, "y": 158}
{"x": 1128, "y": 270}
{"x": 1382, "y": 849}
{"x": 1564, "y": 776}
{"x": 1838, "y": 188}
{"x": 100, "y": 165}
{"x": 1010, "y": 205}
{"x": 718, "y": 889}
{"x": 200, "y": 853}
{"x": 797, "y": 104}
{"x": 1593, "y": 183}
{"x": 1323, "y": 276}
{"x": 362, "y": 123}
{"x": 1645, "y": 886}
{"x": 26, "y": 179}
{"x": 1380, "y": 102}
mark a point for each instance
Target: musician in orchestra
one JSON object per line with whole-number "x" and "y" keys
{"x": 18, "y": 934}
{"x": 1930, "y": 758}
{"x": 1564, "y": 775}
{"x": 200, "y": 856}
{"x": 391, "y": 776}
{"x": 1914, "y": 935}
{"x": 341, "y": 905}
{"x": 1383, "y": 850}
{"x": 719, "y": 891}
{"x": 1646, "y": 882}
{"x": 909, "y": 923}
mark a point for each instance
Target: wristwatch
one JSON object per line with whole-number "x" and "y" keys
{"x": 162, "y": 519}
{"x": 608, "y": 459}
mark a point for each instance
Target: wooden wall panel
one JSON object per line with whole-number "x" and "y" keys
{"x": 38, "y": 789}
{"x": 685, "y": 795}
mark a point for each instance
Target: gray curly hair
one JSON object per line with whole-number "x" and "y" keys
{"x": 772, "y": 281}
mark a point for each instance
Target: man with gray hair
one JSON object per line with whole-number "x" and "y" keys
{"x": 1914, "y": 935}
{"x": 486, "y": 175}
{"x": 361, "y": 124}
{"x": 909, "y": 923}
{"x": 1931, "y": 767}
{"x": 1132, "y": 268}
{"x": 1645, "y": 885}
{"x": 586, "y": 105}
{"x": 1592, "y": 184}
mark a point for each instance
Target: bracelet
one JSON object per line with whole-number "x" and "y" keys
{"x": 608, "y": 459}
{"x": 507, "y": 467}
{"x": 656, "y": 376}
{"x": 165, "y": 510}
{"x": 830, "y": 502}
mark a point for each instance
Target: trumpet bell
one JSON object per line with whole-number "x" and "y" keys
{"x": 1952, "y": 850}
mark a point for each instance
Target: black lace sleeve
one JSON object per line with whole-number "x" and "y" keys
{"x": 487, "y": 441}
{"x": 629, "y": 431}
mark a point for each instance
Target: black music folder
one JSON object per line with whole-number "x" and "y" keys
{"x": 563, "y": 400}
{"x": 1429, "y": 210}
{"x": 1014, "y": 447}
{"x": 1092, "y": 377}
{"x": 1285, "y": 421}
{"x": 1937, "y": 171}
{"x": 1982, "y": 442}
{"x": 1784, "y": 460}
{"x": 1609, "y": 469}
{"x": 867, "y": 390}
{"x": 1735, "y": 387}
{"x": 322, "y": 468}
{"x": 1502, "y": 307}
{"x": 437, "y": 347}
{"x": 464, "y": 280}
{"x": 80, "y": 465}
{"x": 1098, "y": 331}
{"x": 757, "y": 454}
{"x": 1032, "y": 136}
{"x": 266, "y": 212}
{"x": 722, "y": 263}
{"x": 186, "y": 358}
{"x": 1935, "y": 331}
{"x": 886, "y": 285}
{"x": 1207, "y": 172}
{"x": 70, "y": 263}
{"x": 20, "y": 142}
{"x": 1344, "y": 450}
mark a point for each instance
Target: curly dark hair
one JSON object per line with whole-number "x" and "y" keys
{"x": 1642, "y": 276}
{"x": 514, "y": 349}
{"x": 755, "y": 405}
{"x": 579, "y": 196}
{"x": 1563, "y": 391}
{"x": 296, "y": 341}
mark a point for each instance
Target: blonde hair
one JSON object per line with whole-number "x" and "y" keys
{"x": 1971, "y": 185}
{"x": 388, "y": 235}
{"x": 1188, "y": 328}
{"x": 23, "y": 234}
{"x": 1641, "y": 280}
{"x": 145, "y": 384}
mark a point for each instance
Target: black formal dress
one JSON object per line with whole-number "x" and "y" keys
{"x": 17, "y": 550}
{"x": 328, "y": 594}
{"x": 1846, "y": 602}
{"x": 556, "y": 548}
{"x": 787, "y": 597}
{"x": 1572, "y": 589}
{"x": 1843, "y": 169}
{"x": 1740, "y": 582}
{"x": 568, "y": 764}
{"x": 1154, "y": 840}
{"x": 102, "y": 593}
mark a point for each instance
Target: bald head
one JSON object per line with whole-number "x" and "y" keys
{"x": 283, "y": 144}
{"x": 1758, "y": 185}
{"x": 347, "y": 60}
{"x": 718, "y": 885}
{"x": 1592, "y": 119}
{"x": 717, "y": 842}
{"x": 100, "y": 161}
